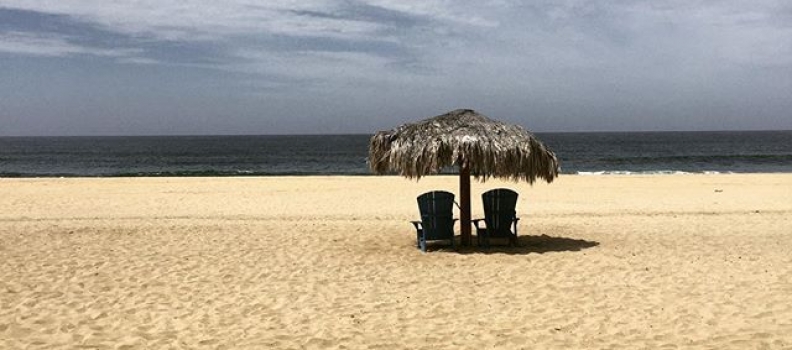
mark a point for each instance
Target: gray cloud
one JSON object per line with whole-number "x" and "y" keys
{"x": 358, "y": 65}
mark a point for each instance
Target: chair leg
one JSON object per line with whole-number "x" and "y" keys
{"x": 514, "y": 238}
{"x": 423, "y": 245}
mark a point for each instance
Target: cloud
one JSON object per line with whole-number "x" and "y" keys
{"x": 204, "y": 20}
{"x": 420, "y": 23}
{"x": 219, "y": 35}
{"x": 428, "y": 37}
{"x": 572, "y": 59}
{"x": 53, "y": 46}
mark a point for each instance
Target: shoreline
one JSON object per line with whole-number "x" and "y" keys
{"x": 212, "y": 174}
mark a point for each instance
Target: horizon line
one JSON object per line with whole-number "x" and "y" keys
{"x": 372, "y": 133}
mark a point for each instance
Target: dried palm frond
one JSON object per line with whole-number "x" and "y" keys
{"x": 462, "y": 137}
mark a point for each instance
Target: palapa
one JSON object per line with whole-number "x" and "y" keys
{"x": 478, "y": 145}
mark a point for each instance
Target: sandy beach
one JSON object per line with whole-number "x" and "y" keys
{"x": 616, "y": 262}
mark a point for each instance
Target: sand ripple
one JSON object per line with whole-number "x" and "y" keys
{"x": 654, "y": 278}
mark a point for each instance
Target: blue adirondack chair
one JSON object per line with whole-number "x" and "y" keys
{"x": 437, "y": 218}
{"x": 500, "y": 216}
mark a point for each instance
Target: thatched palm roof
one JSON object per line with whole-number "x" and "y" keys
{"x": 462, "y": 137}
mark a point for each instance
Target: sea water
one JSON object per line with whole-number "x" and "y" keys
{"x": 578, "y": 153}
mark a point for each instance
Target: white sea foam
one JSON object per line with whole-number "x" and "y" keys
{"x": 646, "y": 172}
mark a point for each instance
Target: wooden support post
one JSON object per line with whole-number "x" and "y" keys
{"x": 464, "y": 204}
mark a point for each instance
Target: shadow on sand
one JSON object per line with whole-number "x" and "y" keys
{"x": 525, "y": 245}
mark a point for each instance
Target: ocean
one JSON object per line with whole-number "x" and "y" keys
{"x": 579, "y": 153}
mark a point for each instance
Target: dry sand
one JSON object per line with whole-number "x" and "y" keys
{"x": 674, "y": 261}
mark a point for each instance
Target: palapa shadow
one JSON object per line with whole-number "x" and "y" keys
{"x": 525, "y": 245}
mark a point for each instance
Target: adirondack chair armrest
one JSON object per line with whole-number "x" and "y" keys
{"x": 479, "y": 229}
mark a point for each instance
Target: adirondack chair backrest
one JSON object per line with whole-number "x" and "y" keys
{"x": 437, "y": 214}
{"x": 499, "y": 211}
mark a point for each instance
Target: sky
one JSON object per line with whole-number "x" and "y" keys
{"x": 198, "y": 67}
